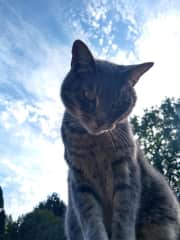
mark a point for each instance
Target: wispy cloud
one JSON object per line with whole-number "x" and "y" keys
{"x": 159, "y": 42}
{"x": 32, "y": 164}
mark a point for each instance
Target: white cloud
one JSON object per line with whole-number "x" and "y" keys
{"x": 127, "y": 10}
{"x": 159, "y": 42}
{"x": 45, "y": 80}
{"x": 20, "y": 119}
{"x": 43, "y": 65}
{"x": 123, "y": 57}
{"x": 19, "y": 111}
{"x": 96, "y": 10}
{"x": 108, "y": 28}
{"x": 32, "y": 123}
{"x": 35, "y": 175}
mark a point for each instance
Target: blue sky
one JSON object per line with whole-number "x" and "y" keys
{"x": 36, "y": 39}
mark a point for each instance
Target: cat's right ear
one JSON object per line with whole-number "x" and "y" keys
{"x": 82, "y": 58}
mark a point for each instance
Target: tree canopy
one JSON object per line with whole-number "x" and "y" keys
{"x": 45, "y": 222}
{"x": 41, "y": 224}
{"x": 54, "y": 204}
{"x": 2, "y": 215}
{"x": 158, "y": 131}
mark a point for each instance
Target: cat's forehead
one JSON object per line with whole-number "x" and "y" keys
{"x": 109, "y": 67}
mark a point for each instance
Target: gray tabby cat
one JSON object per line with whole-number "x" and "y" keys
{"x": 113, "y": 192}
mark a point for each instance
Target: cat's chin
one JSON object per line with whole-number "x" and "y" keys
{"x": 97, "y": 132}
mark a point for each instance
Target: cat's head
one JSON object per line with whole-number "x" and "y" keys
{"x": 99, "y": 93}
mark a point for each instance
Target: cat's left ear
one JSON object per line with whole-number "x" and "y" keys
{"x": 82, "y": 58}
{"x": 136, "y": 71}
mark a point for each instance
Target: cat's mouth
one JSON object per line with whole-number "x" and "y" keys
{"x": 100, "y": 130}
{"x": 95, "y": 130}
{"x": 109, "y": 128}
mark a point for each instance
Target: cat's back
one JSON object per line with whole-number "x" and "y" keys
{"x": 158, "y": 203}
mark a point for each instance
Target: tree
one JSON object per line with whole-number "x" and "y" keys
{"x": 41, "y": 224}
{"x": 54, "y": 204}
{"x": 159, "y": 135}
{"x": 11, "y": 229}
{"x": 45, "y": 222}
{"x": 2, "y": 215}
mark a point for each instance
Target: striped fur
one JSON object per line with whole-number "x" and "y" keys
{"x": 113, "y": 192}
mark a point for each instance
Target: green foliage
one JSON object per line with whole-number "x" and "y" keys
{"x": 11, "y": 229}
{"x": 54, "y": 204}
{"x": 159, "y": 134}
{"x": 2, "y": 215}
{"x": 41, "y": 224}
{"x": 45, "y": 222}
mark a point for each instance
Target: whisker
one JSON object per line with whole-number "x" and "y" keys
{"x": 124, "y": 139}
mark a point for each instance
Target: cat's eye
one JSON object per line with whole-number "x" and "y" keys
{"x": 90, "y": 95}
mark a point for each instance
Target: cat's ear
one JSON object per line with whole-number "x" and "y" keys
{"x": 82, "y": 58}
{"x": 136, "y": 71}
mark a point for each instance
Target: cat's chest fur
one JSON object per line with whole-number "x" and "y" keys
{"x": 95, "y": 155}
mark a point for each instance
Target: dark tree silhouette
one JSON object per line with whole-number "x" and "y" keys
{"x": 54, "y": 204}
{"x": 45, "y": 222}
{"x": 41, "y": 224}
{"x": 11, "y": 229}
{"x": 2, "y": 215}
